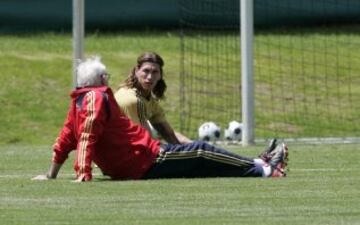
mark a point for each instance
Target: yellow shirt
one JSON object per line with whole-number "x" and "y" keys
{"x": 138, "y": 108}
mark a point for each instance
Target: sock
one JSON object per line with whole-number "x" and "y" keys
{"x": 259, "y": 162}
{"x": 266, "y": 170}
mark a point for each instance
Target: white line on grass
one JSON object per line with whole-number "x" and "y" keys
{"x": 327, "y": 140}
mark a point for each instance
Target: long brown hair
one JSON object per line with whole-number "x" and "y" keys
{"x": 132, "y": 82}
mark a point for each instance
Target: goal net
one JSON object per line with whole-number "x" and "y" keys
{"x": 306, "y": 66}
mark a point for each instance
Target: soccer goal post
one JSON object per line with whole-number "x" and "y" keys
{"x": 246, "y": 37}
{"x": 78, "y": 35}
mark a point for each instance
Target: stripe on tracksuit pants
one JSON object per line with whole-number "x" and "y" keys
{"x": 199, "y": 159}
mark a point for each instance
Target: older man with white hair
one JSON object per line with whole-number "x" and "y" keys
{"x": 100, "y": 133}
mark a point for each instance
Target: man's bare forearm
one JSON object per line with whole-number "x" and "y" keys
{"x": 53, "y": 170}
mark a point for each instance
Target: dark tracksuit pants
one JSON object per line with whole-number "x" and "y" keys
{"x": 200, "y": 159}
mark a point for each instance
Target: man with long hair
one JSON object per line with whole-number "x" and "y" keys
{"x": 140, "y": 95}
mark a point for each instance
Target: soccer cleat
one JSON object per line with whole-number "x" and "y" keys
{"x": 266, "y": 154}
{"x": 279, "y": 160}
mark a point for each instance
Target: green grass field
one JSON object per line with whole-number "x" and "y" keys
{"x": 322, "y": 188}
{"x": 37, "y": 77}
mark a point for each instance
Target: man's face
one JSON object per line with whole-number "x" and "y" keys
{"x": 148, "y": 75}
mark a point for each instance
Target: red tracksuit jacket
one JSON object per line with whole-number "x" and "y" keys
{"x": 100, "y": 132}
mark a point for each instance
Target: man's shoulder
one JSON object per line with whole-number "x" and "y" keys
{"x": 126, "y": 91}
{"x": 92, "y": 95}
{"x": 125, "y": 95}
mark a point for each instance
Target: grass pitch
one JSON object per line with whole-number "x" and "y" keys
{"x": 37, "y": 76}
{"x": 322, "y": 187}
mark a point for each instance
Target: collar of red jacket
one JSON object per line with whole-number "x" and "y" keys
{"x": 80, "y": 91}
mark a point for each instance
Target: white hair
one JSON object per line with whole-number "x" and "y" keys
{"x": 89, "y": 71}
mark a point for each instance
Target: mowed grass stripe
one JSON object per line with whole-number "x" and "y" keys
{"x": 321, "y": 188}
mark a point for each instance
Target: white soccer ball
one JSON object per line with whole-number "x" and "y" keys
{"x": 234, "y": 131}
{"x": 209, "y": 132}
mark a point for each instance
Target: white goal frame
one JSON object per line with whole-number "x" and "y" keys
{"x": 78, "y": 29}
{"x": 247, "y": 68}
